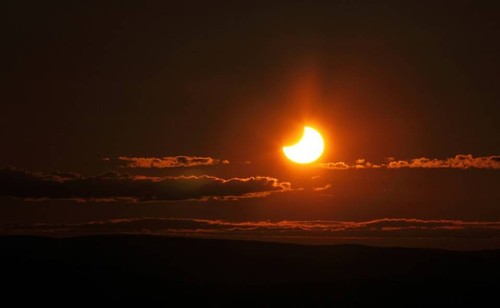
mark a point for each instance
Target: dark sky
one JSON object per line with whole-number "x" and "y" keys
{"x": 230, "y": 80}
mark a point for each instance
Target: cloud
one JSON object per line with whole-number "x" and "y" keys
{"x": 321, "y": 188}
{"x": 388, "y": 229}
{"x": 457, "y": 162}
{"x": 168, "y": 162}
{"x": 358, "y": 164}
{"x": 334, "y": 165}
{"x": 113, "y": 186}
{"x": 460, "y": 161}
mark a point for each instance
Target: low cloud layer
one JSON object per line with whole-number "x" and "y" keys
{"x": 115, "y": 186}
{"x": 387, "y": 230}
{"x": 168, "y": 162}
{"x": 458, "y": 162}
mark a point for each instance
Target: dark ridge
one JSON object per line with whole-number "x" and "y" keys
{"x": 185, "y": 271}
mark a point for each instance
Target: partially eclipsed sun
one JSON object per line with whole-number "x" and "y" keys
{"x": 308, "y": 149}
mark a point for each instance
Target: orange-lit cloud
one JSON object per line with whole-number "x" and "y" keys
{"x": 457, "y": 162}
{"x": 460, "y": 161}
{"x": 291, "y": 226}
{"x": 340, "y": 165}
{"x": 113, "y": 186}
{"x": 297, "y": 231}
{"x": 168, "y": 162}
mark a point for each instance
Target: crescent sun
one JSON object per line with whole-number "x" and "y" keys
{"x": 308, "y": 149}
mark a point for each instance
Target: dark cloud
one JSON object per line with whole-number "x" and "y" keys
{"x": 167, "y": 162}
{"x": 113, "y": 186}
{"x": 458, "y": 162}
{"x": 298, "y": 231}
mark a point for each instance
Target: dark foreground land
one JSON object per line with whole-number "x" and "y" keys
{"x": 181, "y": 272}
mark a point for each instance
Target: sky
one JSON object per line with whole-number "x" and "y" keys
{"x": 170, "y": 118}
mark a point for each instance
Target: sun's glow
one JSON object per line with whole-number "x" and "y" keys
{"x": 308, "y": 149}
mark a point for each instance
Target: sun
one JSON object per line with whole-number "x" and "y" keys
{"x": 308, "y": 149}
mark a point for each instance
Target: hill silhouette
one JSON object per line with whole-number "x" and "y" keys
{"x": 182, "y": 271}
